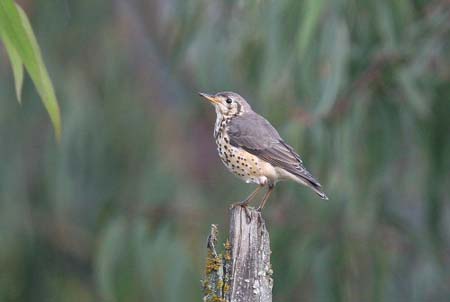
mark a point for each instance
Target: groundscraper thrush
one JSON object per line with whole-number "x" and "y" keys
{"x": 251, "y": 148}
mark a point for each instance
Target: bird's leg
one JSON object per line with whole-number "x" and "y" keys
{"x": 246, "y": 201}
{"x": 266, "y": 196}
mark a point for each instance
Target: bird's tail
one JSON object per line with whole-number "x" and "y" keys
{"x": 308, "y": 180}
{"x": 318, "y": 189}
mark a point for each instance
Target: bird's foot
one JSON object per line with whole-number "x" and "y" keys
{"x": 244, "y": 205}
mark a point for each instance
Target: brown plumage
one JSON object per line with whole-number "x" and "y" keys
{"x": 263, "y": 157}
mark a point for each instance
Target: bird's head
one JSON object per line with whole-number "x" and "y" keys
{"x": 228, "y": 104}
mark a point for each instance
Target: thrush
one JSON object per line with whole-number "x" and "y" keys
{"x": 251, "y": 148}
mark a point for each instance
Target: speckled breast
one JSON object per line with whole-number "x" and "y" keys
{"x": 240, "y": 162}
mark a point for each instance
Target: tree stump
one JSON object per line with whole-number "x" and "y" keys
{"x": 242, "y": 273}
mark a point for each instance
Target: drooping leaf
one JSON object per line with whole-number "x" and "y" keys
{"x": 336, "y": 51}
{"x": 17, "y": 29}
{"x": 414, "y": 96}
{"x": 111, "y": 246}
{"x": 16, "y": 64}
{"x": 311, "y": 15}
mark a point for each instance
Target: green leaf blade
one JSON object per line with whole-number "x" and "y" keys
{"x": 17, "y": 29}
{"x": 16, "y": 65}
{"x": 310, "y": 21}
{"x": 43, "y": 82}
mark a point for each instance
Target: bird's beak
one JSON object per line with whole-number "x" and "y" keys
{"x": 210, "y": 98}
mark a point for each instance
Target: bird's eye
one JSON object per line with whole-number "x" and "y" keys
{"x": 228, "y": 101}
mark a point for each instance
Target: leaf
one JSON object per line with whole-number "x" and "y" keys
{"x": 17, "y": 29}
{"x": 337, "y": 48}
{"x": 16, "y": 64}
{"x": 413, "y": 93}
{"x": 111, "y": 247}
{"x": 313, "y": 10}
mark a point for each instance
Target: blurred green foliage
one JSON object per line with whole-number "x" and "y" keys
{"x": 120, "y": 209}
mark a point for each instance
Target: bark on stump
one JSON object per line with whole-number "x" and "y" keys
{"x": 242, "y": 273}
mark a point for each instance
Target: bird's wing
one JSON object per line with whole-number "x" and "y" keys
{"x": 257, "y": 136}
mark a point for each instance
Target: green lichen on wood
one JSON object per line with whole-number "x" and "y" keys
{"x": 227, "y": 264}
{"x": 213, "y": 262}
{"x": 216, "y": 284}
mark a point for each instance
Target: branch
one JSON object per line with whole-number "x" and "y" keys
{"x": 243, "y": 273}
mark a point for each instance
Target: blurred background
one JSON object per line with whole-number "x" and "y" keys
{"x": 121, "y": 208}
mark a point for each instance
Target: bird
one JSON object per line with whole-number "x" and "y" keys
{"x": 252, "y": 149}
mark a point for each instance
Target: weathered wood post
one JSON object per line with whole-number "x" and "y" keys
{"x": 242, "y": 273}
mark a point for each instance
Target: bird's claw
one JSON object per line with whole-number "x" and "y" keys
{"x": 239, "y": 204}
{"x": 244, "y": 205}
{"x": 248, "y": 214}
